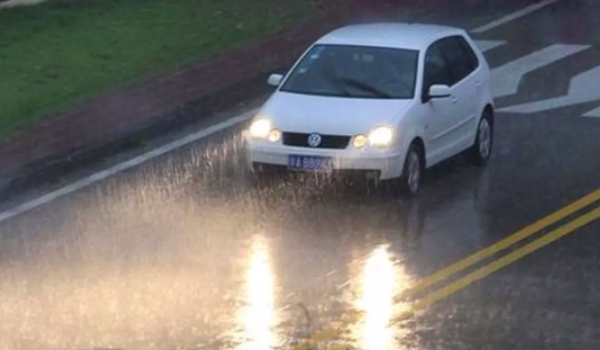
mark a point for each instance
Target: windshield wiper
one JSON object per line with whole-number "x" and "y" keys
{"x": 342, "y": 83}
{"x": 365, "y": 86}
{"x": 335, "y": 80}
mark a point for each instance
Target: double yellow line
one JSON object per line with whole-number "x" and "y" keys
{"x": 480, "y": 273}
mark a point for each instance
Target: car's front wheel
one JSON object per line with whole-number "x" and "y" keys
{"x": 412, "y": 172}
{"x": 481, "y": 151}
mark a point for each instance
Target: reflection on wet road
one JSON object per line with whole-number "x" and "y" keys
{"x": 189, "y": 254}
{"x": 259, "y": 315}
{"x": 381, "y": 281}
{"x": 183, "y": 253}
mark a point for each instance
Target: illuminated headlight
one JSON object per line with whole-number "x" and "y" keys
{"x": 381, "y": 136}
{"x": 262, "y": 129}
{"x": 274, "y": 135}
{"x": 359, "y": 141}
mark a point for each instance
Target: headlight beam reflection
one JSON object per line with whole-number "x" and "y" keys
{"x": 376, "y": 302}
{"x": 258, "y": 317}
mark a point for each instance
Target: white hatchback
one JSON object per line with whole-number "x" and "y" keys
{"x": 386, "y": 99}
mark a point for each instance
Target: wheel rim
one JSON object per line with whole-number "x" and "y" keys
{"x": 485, "y": 138}
{"x": 414, "y": 172}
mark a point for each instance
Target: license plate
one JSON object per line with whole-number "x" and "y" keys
{"x": 312, "y": 163}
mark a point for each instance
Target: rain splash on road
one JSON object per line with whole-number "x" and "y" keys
{"x": 184, "y": 253}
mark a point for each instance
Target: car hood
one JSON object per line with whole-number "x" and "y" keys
{"x": 331, "y": 115}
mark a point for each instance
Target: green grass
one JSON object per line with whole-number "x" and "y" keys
{"x": 58, "y": 54}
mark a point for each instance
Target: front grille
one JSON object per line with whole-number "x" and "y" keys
{"x": 327, "y": 141}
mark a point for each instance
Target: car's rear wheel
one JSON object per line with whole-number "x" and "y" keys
{"x": 481, "y": 151}
{"x": 412, "y": 172}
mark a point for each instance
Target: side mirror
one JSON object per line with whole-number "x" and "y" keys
{"x": 275, "y": 79}
{"x": 438, "y": 91}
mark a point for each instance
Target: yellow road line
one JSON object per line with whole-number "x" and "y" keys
{"x": 501, "y": 245}
{"x": 472, "y": 277}
{"x": 333, "y": 332}
{"x": 504, "y": 261}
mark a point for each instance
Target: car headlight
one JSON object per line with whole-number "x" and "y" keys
{"x": 381, "y": 136}
{"x": 360, "y": 141}
{"x": 263, "y": 129}
{"x": 260, "y": 128}
{"x": 274, "y": 135}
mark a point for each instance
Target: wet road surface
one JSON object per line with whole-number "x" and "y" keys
{"x": 182, "y": 253}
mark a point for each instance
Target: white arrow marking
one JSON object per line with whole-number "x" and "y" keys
{"x": 582, "y": 88}
{"x": 486, "y": 45}
{"x": 513, "y": 16}
{"x": 593, "y": 113}
{"x": 506, "y": 78}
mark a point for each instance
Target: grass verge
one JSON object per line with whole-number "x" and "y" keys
{"x": 60, "y": 53}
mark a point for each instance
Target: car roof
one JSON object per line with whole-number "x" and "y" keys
{"x": 415, "y": 36}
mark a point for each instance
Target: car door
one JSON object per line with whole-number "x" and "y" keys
{"x": 464, "y": 83}
{"x": 438, "y": 112}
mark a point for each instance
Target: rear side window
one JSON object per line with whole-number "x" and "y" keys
{"x": 461, "y": 58}
{"x": 470, "y": 56}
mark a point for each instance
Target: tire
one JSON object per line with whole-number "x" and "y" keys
{"x": 412, "y": 172}
{"x": 481, "y": 151}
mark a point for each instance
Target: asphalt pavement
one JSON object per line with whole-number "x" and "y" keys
{"x": 181, "y": 252}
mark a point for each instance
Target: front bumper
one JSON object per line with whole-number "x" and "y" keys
{"x": 383, "y": 164}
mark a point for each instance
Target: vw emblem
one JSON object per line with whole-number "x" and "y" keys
{"x": 314, "y": 140}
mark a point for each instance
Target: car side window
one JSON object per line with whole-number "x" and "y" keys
{"x": 471, "y": 58}
{"x": 462, "y": 61}
{"x": 436, "y": 69}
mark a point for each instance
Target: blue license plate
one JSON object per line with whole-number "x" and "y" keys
{"x": 312, "y": 163}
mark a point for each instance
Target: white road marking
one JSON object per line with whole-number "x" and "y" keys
{"x": 593, "y": 113}
{"x": 13, "y": 3}
{"x": 513, "y": 16}
{"x": 506, "y": 78}
{"x": 132, "y": 163}
{"x": 582, "y": 89}
{"x": 486, "y": 45}
{"x": 75, "y": 186}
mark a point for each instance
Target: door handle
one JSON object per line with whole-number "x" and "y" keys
{"x": 453, "y": 99}
{"x": 477, "y": 82}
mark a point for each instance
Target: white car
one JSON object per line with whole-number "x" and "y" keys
{"x": 388, "y": 99}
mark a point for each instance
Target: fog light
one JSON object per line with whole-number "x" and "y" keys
{"x": 359, "y": 141}
{"x": 274, "y": 135}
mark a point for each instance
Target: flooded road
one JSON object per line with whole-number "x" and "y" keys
{"x": 183, "y": 253}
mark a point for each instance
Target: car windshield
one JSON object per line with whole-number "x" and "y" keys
{"x": 355, "y": 71}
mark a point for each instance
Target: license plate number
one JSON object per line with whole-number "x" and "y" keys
{"x": 309, "y": 163}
